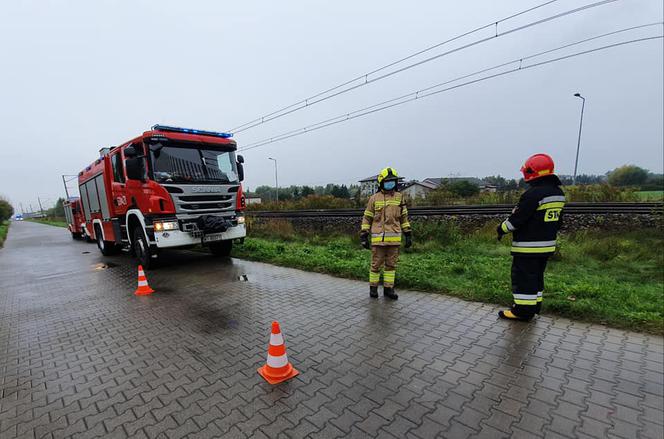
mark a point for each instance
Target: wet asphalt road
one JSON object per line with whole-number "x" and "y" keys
{"x": 81, "y": 356}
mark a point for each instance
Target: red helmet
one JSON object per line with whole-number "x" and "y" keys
{"x": 538, "y": 165}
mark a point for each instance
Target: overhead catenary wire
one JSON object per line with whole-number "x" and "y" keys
{"x": 430, "y": 91}
{"x": 365, "y": 80}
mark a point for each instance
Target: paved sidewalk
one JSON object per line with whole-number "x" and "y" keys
{"x": 80, "y": 356}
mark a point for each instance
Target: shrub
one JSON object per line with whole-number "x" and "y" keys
{"x": 6, "y": 210}
{"x": 628, "y": 175}
{"x": 440, "y": 232}
{"x": 599, "y": 193}
{"x": 273, "y": 228}
{"x": 310, "y": 202}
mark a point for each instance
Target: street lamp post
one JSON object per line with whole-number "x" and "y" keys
{"x": 578, "y": 143}
{"x": 276, "y": 178}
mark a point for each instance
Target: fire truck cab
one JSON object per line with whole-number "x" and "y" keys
{"x": 170, "y": 187}
{"x": 75, "y": 218}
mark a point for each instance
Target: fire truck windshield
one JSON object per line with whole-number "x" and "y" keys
{"x": 185, "y": 164}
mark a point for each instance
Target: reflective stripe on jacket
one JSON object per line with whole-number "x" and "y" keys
{"x": 535, "y": 221}
{"x": 386, "y": 217}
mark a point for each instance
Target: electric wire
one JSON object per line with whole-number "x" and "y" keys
{"x": 429, "y": 91}
{"x": 321, "y": 96}
{"x": 519, "y": 60}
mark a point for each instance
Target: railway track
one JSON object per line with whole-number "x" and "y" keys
{"x": 494, "y": 209}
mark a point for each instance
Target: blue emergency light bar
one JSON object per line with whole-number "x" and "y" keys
{"x": 191, "y": 131}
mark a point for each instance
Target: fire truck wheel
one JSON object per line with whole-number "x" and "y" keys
{"x": 107, "y": 248}
{"x": 76, "y": 236}
{"x": 141, "y": 249}
{"x": 221, "y": 248}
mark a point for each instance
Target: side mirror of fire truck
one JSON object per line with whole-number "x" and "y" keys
{"x": 240, "y": 167}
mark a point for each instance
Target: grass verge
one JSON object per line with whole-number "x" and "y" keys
{"x": 49, "y": 221}
{"x": 650, "y": 195}
{"x": 4, "y": 229}
{"x": 615, "y": 280}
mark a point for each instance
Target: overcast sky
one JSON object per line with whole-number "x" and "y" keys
{"x": 79, "y": 75}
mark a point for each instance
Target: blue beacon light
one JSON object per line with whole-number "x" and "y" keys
{"x": 191, "y": 131}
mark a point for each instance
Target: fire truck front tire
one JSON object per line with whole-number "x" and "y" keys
{"x": 141, "y": 249}
{"x": 221, "y": 248}
{"x": 76, "y": 236}
{"x": 107, "y": 248}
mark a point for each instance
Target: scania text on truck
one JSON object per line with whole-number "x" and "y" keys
{"x": 170, "y": 187}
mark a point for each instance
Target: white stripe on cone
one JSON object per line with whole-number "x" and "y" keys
{"x": 277, "y": 361}
{"x": 142, "y": 283}
{"x": 276, "y": 339}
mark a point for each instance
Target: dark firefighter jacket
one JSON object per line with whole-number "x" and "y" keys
{"x": 535, "y": 221}
{"x": 386, "y": 217}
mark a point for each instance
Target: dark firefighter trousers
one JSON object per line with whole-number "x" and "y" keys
{"x": 385, "y": 256}
{"x": 528, "y": 284}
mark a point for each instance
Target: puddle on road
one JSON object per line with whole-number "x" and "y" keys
{"x": 103, "y": 266}
{"x": 215, "y": 320}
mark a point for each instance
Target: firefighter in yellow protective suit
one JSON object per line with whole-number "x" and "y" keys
{"x": 385, "y": 220}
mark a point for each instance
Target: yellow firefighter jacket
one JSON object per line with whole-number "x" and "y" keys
{"x": 386, "y": 217}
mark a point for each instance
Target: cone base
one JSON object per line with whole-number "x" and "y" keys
{"x": 293, "y": 372}
{"x": 144, "y": 291}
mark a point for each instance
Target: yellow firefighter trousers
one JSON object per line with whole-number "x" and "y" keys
{"x": 383, "y": 256}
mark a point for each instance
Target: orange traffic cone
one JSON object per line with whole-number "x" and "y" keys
{"x": 277, "y": 368}
{"x": 143, "y": 287}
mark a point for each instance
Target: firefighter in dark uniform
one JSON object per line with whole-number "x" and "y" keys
{"x": 534, "y": 225}
{"x": 384, "y": 221}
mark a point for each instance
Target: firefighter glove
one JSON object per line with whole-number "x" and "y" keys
{"x": 500, "y": 232}
{"x": 364, "y": 240}
{"x": 409, "y": 239}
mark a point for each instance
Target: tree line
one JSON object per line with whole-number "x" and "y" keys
{"x": 269, "y": 193}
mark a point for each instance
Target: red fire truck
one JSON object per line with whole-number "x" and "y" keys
{"x": 169, "y": 187}
{"x": 75, "y": 218}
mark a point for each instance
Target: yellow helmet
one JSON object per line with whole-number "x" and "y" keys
{"x": 387, "y": 174}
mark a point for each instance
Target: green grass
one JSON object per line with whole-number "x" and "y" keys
{"x": 4, "y": 229}
{"x": 650, "y": 195}
{"x": 615, "y": 280}
{"x": 49, "y": 221}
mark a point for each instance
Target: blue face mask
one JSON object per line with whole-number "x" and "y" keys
{"x": 389, "y": 185}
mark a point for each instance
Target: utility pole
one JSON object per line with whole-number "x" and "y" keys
{"x": 22, "y": 211}
{"x": 64, "y": 182}
{"x": 578, "y": 143}
{"x": 31, "y": 208}
{"x": 41, "y": 209}
{"x": 276, "y": 178}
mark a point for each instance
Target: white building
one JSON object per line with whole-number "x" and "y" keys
{"x": 417, "y": 189}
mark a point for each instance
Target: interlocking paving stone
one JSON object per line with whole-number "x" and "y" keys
{"x": 80, "y": 356}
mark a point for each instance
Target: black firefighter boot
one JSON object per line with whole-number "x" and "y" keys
{"x": 390, "y": 293}
{"x": 373, "y": 291}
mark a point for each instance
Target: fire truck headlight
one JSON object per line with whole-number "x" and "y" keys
{"x": 160, "y": 226}
{"x": 240, "y": 220}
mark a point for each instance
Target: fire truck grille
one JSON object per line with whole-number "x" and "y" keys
{"x": 203, "y": 199}
{"x": 195, "y": 198}
{"x": 205, "y": 206}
